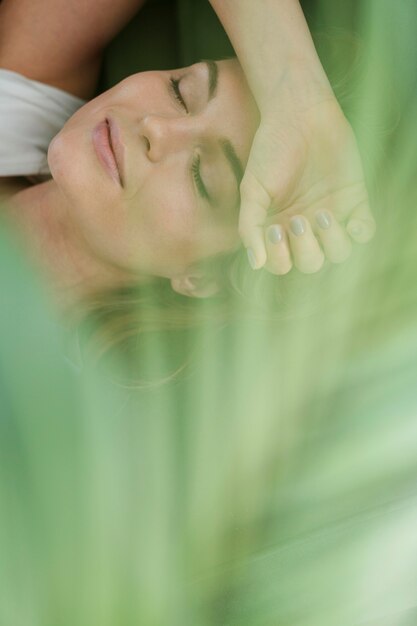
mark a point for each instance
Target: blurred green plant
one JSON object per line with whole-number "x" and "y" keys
{"x": 274, "y": 482}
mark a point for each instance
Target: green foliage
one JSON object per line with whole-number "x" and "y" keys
{"x": 274, "y": 482}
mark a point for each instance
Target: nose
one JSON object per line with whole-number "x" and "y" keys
{"x": 164, "y": 136}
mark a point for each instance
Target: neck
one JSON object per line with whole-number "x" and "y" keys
{"x": 41, "y": 215}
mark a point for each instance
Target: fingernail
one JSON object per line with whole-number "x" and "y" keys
{"x": 324, "y": 219}
{"x": 355, "y": 228}
{"x": 251, "y": 258}
{"x": 297, "y": 226}
{"x": 275, "y": 234}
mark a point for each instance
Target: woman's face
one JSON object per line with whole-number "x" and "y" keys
{"x": 181, "y": 141}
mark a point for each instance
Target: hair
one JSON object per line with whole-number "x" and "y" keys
{"x": 126, "y": 322}
{"x": 121, "y": 319}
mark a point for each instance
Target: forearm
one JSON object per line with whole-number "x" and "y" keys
{"x": 59, "y": 42}
{"x": 272, "y": 40}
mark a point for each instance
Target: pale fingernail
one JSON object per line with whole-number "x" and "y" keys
{"x": 355, "y": 228}
{"x": 275, "y": 234}
{"x": 324, "y": 219}
{"x": 297, "y": 226}
{"x": 251, "y": 258}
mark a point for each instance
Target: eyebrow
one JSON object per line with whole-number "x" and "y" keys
{"x": 235, "y": 163}
{"x": 226, "y": 145}
{"x": 213, "y": 77}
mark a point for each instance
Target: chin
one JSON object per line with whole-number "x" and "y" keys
{"x": 67, "y": 165}
{"x": 56, "y": 158}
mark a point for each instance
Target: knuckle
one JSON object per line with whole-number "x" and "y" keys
{"x": 310, "y": 264}
{"x": 284, "y": 269}
{"x": 341, "y": 254}
{"x": 280, "y": 267}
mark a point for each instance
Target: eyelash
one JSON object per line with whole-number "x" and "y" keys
{"x": 195, "y": 167}
{"x": 175, "y": 89}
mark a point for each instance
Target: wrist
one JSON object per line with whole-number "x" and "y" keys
{"x": 301, "y": 84}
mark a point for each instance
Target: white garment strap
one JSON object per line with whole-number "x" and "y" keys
{"x": 31, "y": 114}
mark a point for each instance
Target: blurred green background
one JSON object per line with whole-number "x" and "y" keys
{"x": 272, "y": 483}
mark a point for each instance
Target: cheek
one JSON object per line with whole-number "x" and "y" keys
{"x": 167, "y": 219}
{"x": 74, "y": 163}
{"x": 70, "y": 168}
{"x": 95, "y": 208}
{"x": 177, "y": 230}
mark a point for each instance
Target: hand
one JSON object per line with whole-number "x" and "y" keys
{"x": 303, "y": 180}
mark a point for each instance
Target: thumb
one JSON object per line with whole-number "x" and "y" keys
{"x": 254, "y": 205}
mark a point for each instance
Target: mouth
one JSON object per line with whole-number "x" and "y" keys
{"x": 109, "y": 148}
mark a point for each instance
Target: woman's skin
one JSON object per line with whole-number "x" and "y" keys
{"x": 275, "y": 49}
{"x": 304, "y": 161}
{"x": 88, "y": 230}
{"x": 34, "y": 42}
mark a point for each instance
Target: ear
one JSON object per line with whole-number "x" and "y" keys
{"x": 195, "y": 285}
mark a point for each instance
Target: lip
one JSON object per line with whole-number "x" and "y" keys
{"x": 109, "y": 148}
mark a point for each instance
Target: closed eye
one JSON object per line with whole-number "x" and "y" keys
{"x": 195, "y": 167}
{"x": 202, "y": 190}
{"x": 175, "y": 90}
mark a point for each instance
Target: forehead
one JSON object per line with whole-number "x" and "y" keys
{"x": 237, "y": 105}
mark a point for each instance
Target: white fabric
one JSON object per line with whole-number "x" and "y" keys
{"x": 31, "y": 114}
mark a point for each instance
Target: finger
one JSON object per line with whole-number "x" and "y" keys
{"x": 254, "y": 205}
{"x": 279, "y": 255}
{"x": 335, "y": 242}
{"x": 361, "y": 225}
{"x": 306, "y": 252}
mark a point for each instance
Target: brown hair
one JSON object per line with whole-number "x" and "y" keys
{"x": 121, "y": 318}
{"x": 125, "y": 322}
